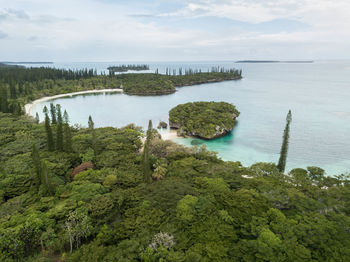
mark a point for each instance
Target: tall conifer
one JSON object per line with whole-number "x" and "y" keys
{"x": 91, "y": 125}
{"x": 45, "y": 179}
{"x": 284, "y": 148}
{"x": 67, "y": 146}
{"x": 146, "y": 157}
{"x": 37, "y": 166}
{"x": 37, "y": 119}
{"x": 50, "y": 140}
{"x": 53, "y": 114}
{"x": 59, "y": 129}
{"x": 3, "y": 99}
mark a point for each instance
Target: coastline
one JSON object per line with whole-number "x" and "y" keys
{"x": 28, "y": 107}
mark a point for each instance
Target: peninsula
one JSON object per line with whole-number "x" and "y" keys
{"x": 21, "y": 85}
{"x": 162, "y": 84}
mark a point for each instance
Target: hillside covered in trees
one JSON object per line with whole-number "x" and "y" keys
{"x": 95, "y": 195}
{"x": 206, "y": 120}
{"x": 101, "y": 194}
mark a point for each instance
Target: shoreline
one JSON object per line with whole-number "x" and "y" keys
{"x": 28, "y": 107}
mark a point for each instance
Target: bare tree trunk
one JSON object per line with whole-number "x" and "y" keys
{"x": 71, "y": 244}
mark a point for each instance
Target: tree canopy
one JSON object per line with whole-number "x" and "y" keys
{"x": 195, "y": 208}
{"x": 206, "y": 120}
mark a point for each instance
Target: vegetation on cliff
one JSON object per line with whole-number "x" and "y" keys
{"x": 206, "y": 120}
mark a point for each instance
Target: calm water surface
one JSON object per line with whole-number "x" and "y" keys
{"x": 318, "y": 95}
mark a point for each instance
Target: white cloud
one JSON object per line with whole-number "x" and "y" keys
{"x": 93, "y": 30}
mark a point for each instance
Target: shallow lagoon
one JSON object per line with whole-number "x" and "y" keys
{"x": 316, "y": 93}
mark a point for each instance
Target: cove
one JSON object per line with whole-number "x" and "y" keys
{"x": 316, "y": 93}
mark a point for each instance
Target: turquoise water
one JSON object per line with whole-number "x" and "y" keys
{"x": 318, "y": 95}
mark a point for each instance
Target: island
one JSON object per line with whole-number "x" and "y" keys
{"x": 272, "y": 61}
{"x": 7, "y": 65}
{"x": 27, "y": 63}
{"x": 206, "y": 120}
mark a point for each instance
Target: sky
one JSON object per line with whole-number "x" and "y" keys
{"x": 177, "y": 30}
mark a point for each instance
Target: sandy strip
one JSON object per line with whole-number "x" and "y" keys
{"x": 169, "y": 135}
{"x": 28, "y": 107}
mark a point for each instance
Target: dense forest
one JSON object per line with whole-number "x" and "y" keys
{"x": 206, "y": 120}
{"x": 103, "y": 198}
{"x": 123, "y": 194}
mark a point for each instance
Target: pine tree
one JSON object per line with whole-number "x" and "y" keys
{"x": 91, "y": 125}
{"x": 146, "y": 165}
{"x": 37, "y": 119}
{"x": 53, "y": 114}
{"x": 59, "y": 129}
{"x": 3, "y": 99}
{"x": 37, "y": 166}
{"x": 45, "y": 179}
{"x": 13, "y": 92}
{"x": 284, "y": 149}
{"x": 67, "y": 146}
{"x": 50, "y": 140}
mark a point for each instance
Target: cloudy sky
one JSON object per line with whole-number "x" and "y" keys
{"x": 176, "y": 30}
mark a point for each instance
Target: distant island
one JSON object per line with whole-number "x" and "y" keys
{"x": 126, "y": 68}
{"x": 18, "y": 63}
{"x": 4, "y": 65}
{"x": 207, "y": 120}
{"x": 271, "y": 61}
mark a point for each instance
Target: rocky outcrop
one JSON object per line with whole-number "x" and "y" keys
{"x": 162, "y": 124}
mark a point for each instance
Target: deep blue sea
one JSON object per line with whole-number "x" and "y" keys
{"x": 317, "y": 94}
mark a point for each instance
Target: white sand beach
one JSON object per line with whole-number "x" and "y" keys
{"x": 169, "y": 135}
{"x": 28, "y": 107}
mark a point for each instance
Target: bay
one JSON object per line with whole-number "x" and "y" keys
{"x": 317, "y": 93}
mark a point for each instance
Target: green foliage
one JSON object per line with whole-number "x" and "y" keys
{"x": 186, "y": 208}
{"x": 199, "y": 208}
{"x": 207, "y": 120}
{"x": 160, "y": 169}
{"x": 110, "y": 180}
